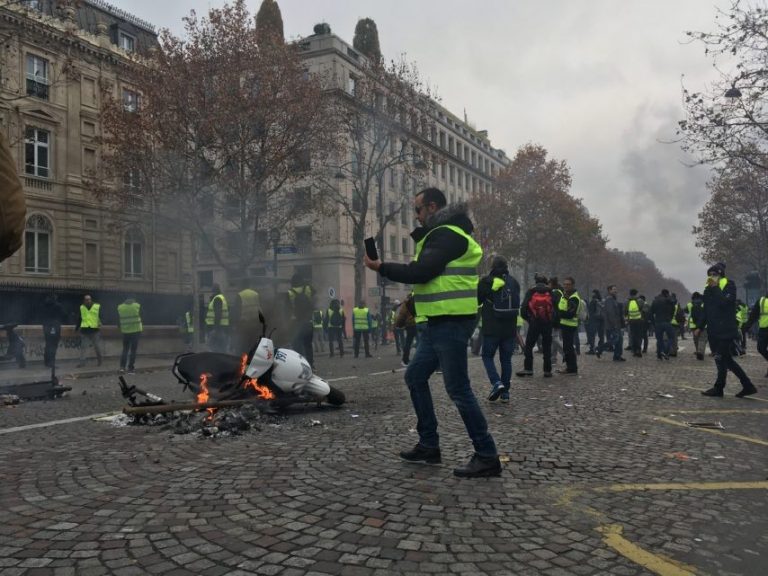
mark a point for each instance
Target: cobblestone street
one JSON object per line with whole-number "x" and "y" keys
{"x": 601, "y": 476}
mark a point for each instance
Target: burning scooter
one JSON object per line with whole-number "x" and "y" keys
{"x": 278, "y": 376}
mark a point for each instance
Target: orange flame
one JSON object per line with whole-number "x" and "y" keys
{"x": 243, "y": 364}
{"x": 203, "y": 396}
{"x": 261, "y": 390}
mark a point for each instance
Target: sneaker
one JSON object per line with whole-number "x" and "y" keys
{"x": 479, "y": 467}
{"x": 422, "y": 455}
{"x": 496, "y": 391}
{"x": 568, "y": 372}
{"x": 714, "y": 392}
{"x": 505, "y": 397}
{"x": 524, "y": 373}
{"x": 599, "y": 353}
{"x": 403, "y": 363}
{"x": 620, "y": 359}
{"x": 699, "y": 356}
{"x": 547, "y": 374}
{"x": 746, "y": 391}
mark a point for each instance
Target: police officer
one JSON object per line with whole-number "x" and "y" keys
{"x": 129, "y": 313}
{"x": 444, "y": 279}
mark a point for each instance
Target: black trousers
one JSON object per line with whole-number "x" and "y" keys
{"x": 636, "y": 330}
{"x": 356, "y": 342}
{"x": 762, "y": 342}
{"x": 302, "y": 341}
{"x": 334, "y": 335}
{"x": 723, "y": 351}
{"x": 130, "y": 344}
{"x": 536, "y": 330}
{"x": 51, "y": 346}
{"x": 569, "y": 334}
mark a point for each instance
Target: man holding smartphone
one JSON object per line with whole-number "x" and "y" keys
{"x": 719, "y": 320}
{"x": 444, "y": 278}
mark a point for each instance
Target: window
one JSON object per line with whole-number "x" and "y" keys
{"x": 405, "y": 246}
{"x": 126, "y": 41}
{"x": 37, "y": 244}
{"x": 392, "y": 244}
{"x": 302, "y": 199}
{"x": 451, "y": 174}
{"x": 130, "y": 100}
{"x": 205, "y": 279}
{"x": 36, "y": 153}
{"x": 32, "y": 4}
{"x": 434, "y": 165}
{"x": 91, "y": 258}
{"x": 450, "y": 144}
{"x": 37, "y": 77}
{"x": 89, "y": 160}
{"x": 442, "y": 170}
{"x": 91, "y": 224}
{"x": 133, "y": 252}
{"x": 131, "y": 188}
{"x": 442, "y": 139}
{"x": 404, "y": 215}
{"x": 352, "y": 85}
{"x": 304, "y": 239}
{"x": 461, "y": 179}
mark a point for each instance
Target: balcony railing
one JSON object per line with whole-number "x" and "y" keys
{"x": 38, "y": 183}
{"x": 37, "y": 89}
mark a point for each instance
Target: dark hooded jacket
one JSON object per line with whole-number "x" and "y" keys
{"x": 442, "y": 247}
{"x": 662, "y": 309}
{"x": 719, "y": 316}
{"x": 492, "y": 325}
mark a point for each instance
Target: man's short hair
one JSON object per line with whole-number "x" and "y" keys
{"x": 633, "y": 292}
{"x": 664, "y": 292}
{"x": 611, "y": 287}
{"x": 540, "y": 278}
{"x": 570, "y": 278}
{"x": 430, "y": 195}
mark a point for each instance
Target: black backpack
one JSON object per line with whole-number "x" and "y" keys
{"x": 506, "y": 300}
{"x": 335, "y": 319}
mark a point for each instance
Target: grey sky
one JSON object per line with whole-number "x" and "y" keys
{"x": 597, "y": 82}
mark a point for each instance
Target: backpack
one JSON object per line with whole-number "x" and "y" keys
{"x": 335, "y": 319}
{"x": 506, "y": 300}
{"x": 582, "y": 311}
{"x": 540, "y": 307}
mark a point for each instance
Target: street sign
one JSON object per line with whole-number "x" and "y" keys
{"x": 287, "y": 249}
{"x": 331, "y": 292}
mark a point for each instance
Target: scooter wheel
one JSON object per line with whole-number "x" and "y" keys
{"x": 335, "y": 397}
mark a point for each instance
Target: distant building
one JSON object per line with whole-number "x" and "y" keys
{"x": 57, "y": 60}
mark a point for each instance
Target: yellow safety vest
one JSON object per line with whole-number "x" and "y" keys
{"x": 454, "y": 291}
{"x": 633, "y": 310}
{"x": 674, "y": 316}
{"x": 130, "y": 318}
{"x": 741, "y": 315}
{"x": 90, "y": 318}
{"x": 360, "y": 319}
{"x": 189, "y": 326}
{"x": 210, "y": 317}
{"x": 317, "y": 319}
{"x": 691, "y": 323}
{"x": 563, "y": 307}
{"x": 763, "y": 322}
{"x": 250, "y": 304}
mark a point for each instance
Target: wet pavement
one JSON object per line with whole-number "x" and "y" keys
{"x": 601, "y": 476}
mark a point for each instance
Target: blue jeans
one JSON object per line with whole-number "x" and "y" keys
{"x": 506, "y": 348}
{"x": 663, "y": 346}
{"x": 616, "y": 339}
{"x": 444, "y": 345}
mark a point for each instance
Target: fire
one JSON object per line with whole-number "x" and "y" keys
{"x": 203, "y": 396}
{"x": 261, "y": 390}
{"x": 243, "y": 364}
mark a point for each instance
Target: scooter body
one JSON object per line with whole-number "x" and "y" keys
{"x": 291, "y": 372}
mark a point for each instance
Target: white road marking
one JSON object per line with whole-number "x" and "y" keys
{"x": 53, "y": 423}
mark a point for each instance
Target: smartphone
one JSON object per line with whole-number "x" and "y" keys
{"x": 370, "y": 249}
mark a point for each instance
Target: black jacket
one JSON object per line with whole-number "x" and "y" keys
{"x": 493, "y": 326}
{"x": 662, "y": 309}
{"x": 442, "y": 247}
{"x": 697, "y": 312}
{"x": 719, "y": 316}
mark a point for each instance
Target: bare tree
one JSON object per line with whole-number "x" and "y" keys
{"x": 382, "y": 115}
{"x": 216, "y": 130}
{"x": 729, "y": 118}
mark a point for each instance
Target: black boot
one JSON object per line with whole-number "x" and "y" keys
{"x": 746, "y": 390}
{"x": 714, "y": 392}
{"x": 479, "y": 467}
{"x": 422, "y": 455}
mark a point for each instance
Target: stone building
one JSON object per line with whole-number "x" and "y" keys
{"x": 57, "y": 60}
